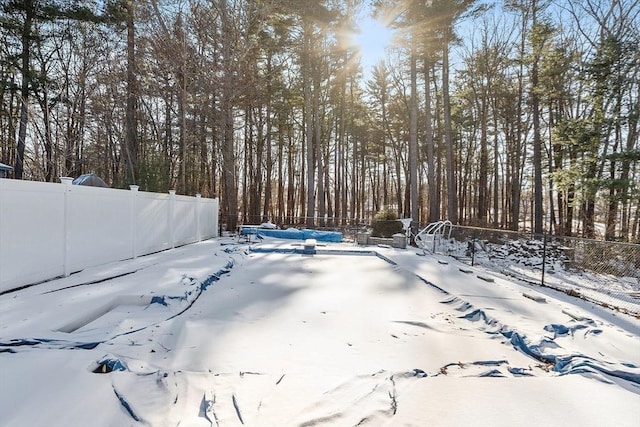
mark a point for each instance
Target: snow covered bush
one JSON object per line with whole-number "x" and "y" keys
{"x": 386, "y": 224}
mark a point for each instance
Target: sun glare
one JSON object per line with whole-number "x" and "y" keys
{"x": 372, "y": 39}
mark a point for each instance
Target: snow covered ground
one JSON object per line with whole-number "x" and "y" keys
{"x": 216, "y": 334}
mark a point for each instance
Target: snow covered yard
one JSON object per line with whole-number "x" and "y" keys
{"x": 215, "y": 334}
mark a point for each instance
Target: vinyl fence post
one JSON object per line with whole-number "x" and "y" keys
{"x": 67, "y": 182}
{"x": 134, "y": 222}
{"x": 172, "y": 197}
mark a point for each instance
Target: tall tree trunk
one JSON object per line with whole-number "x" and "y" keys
{"x": 267, "y": 211}
{"x": 48, "y": 139}
{"x": 25, "y": 57}
{"x": 571, "y": 194}
{"x": 557, "y": 154}
{"x": 614, "y": 188}
{"x": 291, "y": 177}
{"x": 537, "y": 140}
{"x": 327, "y": 185}
{"x": 247, "y": 170}
{"x": 496, "y": 172}
{"x": 452, "y": 197}
{"x": 553, "y": 225}
{"x": 306, "y": 76}
{"x": 483, "y": 199}
{"x": 635, "y": 229}
{"x": 438, "y": 136}
{"x": 413, "y": 132}
{"x": 345, "y": 173}
{"x": 518, "y": 152}
{"x": 340, "y": 149}
{"x": 252, "y": 150}
{"x": 131, "y": 137}
{"x": 281, "y": 211}
{"x": 182, "y": 138}
{"x": 632, "y": 139}
{"x": 317, "y": 141}
{"x": 228, "y": 149}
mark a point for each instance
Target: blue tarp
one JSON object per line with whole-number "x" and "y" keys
{"x": 297, "y": 234}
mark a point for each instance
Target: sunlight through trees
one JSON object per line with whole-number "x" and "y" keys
{"x": 514, "y": 114}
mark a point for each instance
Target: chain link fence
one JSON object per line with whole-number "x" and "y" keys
{"x": 606, "y": 273}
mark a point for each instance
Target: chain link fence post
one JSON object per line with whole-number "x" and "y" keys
{"x": 544, "y": 257}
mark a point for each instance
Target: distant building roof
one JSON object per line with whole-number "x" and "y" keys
{"x": 4, "y": 167}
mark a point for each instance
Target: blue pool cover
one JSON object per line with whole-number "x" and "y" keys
{"x": 295, "y": 233}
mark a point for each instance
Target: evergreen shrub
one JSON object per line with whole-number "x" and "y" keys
{"x": 386, "y": 224}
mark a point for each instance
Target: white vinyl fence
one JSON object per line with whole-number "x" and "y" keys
{"x": 49, "y": 230}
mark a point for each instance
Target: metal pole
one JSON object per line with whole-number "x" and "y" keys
{"x": 544, "y": 255}
{"x": 473, "y": 252}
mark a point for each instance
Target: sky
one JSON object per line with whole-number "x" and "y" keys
{"x": 373, "y": 38}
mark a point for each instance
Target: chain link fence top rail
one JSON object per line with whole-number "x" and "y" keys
{"x": 606, "y": 273}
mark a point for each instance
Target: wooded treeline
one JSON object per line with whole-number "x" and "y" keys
{"x": 521, "y": 113}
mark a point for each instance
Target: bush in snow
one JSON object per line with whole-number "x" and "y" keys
{"x": 386, "y": 224}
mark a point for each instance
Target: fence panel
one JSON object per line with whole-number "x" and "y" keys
{"x": 208, "y": 224}
{"x": 31, "y": 232}
{"x": 153, "y": 228}
{"x": 49, "y": 230}
{"x": 100, "y": 226}
{"x": 184, "y": 220}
